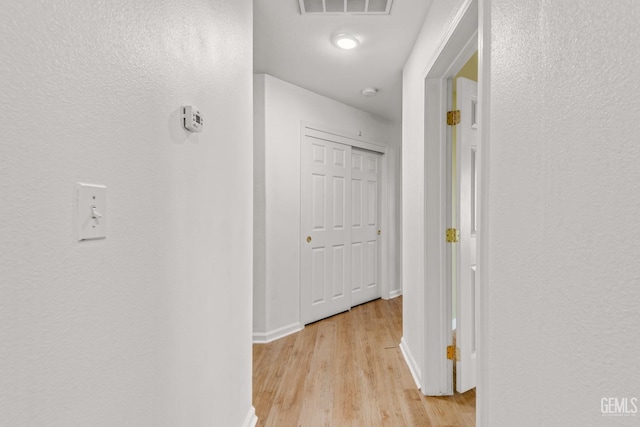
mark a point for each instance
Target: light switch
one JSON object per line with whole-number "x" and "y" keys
{"x": 92, "y": 211}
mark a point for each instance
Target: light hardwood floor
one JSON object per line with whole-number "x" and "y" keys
{"x": 348, "y": 370}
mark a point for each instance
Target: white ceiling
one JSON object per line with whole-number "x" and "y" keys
{"x": 297, "y": 48}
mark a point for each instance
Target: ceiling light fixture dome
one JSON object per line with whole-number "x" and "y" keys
{"x": 345, "y": 41}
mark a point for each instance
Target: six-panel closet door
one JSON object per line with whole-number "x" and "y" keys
{"x": 326, "y": 212}
{"x": 365, "y": 231}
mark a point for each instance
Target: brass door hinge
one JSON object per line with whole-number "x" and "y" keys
{"x": 453, "y": 352}
{"x": 452, "y": 235}
{"x": 453, "y": 117}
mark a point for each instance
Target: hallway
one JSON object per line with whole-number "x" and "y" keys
{"x": 348, "y": 370}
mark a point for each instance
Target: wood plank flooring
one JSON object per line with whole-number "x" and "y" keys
{"x": 348, "y": 370}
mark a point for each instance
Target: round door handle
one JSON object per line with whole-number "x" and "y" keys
{"x": 308, "y": 239}
{"x": 379, "y": 232}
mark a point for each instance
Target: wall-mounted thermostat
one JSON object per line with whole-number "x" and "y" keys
{"x": 192, "y": 119}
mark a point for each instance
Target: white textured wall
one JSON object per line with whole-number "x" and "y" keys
{"x": 151, "y": 326}
{"x": 285, "y": 106}
{"x": 439, "y": 18}
{"x": 564, "y": 291}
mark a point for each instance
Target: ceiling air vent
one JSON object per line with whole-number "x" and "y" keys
{"x": 354, "y": 7}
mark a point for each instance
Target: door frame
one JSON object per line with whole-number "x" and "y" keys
{"x": 452, "y": 53}
{"x": 355, "y": 141}
{"x": 482, "y": 270}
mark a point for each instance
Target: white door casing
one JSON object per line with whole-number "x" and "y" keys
{"x": 467, "y": 281}
{"x": 432, "y": 368}
{"x": 365, "y": 226}
{"x": 326, "y": 230}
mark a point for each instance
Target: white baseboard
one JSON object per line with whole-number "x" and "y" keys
{"x": 411, "y": 362}
{"x": 251, "y": 419}
{"x": 391, "y": 295}
{"x": 267, "y": 337}
{"x": 395, "y": 293}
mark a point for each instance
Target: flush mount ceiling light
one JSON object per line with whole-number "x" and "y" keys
{"x": 345, "y": 41}
{"x": 369, "y": 92}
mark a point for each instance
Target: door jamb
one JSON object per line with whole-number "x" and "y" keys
{"x": 484, "y": 111}
{"x": 463, "y": 32}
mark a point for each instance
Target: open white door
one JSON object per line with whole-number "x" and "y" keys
{"x": 365, "y": 219}
{"x": 467, "y": 286}
{"x": 325, "y": 229}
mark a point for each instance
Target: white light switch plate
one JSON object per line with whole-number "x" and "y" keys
{"x": 92, "y": 211}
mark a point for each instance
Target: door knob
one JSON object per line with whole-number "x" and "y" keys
{"x": 308, "y": 239}
{"x": 379, "y": 232}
